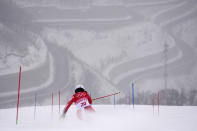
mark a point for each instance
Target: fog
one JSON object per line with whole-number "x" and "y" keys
{"x": 106, "y": 45}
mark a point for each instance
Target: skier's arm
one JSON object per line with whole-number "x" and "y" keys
{"x": 89, "y": 99}
{"x": 68, "y": 106}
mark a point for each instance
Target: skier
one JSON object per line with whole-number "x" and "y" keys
{"x": 83, "y": 101}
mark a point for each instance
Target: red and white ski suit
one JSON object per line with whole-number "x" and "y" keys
{"x": 82, "y": 100}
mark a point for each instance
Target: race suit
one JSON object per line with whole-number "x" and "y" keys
{"x": 82, "y": 100}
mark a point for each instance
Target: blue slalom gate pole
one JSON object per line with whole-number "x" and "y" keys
{"x": 35, "y": 106}
{"x": 133, "y": 94}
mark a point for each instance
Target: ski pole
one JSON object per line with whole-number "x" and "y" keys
{"x": 106, "y": 96}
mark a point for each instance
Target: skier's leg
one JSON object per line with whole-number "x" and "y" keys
{"x": 79, "y": 114}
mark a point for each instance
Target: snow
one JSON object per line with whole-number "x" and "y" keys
{"x": 187, "y": 31}
{"x": 35, "y": 57}
{"x": 35, "y": 88}
{"x": 65, "y": 4}
{"x": 107, "y": 117}
{"x": 179, "y": 17}
{"x": 117, "y": 79}
{"x": 84, "y": 20}
{"x": 152, "y": 3}
{"x": 154, "y": 17}
{"x": 118, "y": 45}
{"x": 61, "y": 4}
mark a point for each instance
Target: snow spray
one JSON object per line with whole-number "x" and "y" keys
{"x": 19, "y": 82}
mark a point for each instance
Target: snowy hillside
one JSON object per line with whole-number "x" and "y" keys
{"x": 102, "y": 49}
{"x": 65, "y": 4}
{"x": 103, "y": 44}
{"x": 107, "y": 117}
{"x": 187, "y": 32}
{"x": 19, "y": 45}
{"x": 29, "y": 56}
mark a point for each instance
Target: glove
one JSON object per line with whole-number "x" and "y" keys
{"x": 62, "y": 117}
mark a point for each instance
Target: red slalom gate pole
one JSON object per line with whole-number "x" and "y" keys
{"x": 59, "y": 101}
{"x": 18, "y": 95}
{"x": 106, "y": 96}
{"x": 158, "y": 103}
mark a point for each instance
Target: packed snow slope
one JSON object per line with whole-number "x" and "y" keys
{"x": 106, "y": 118}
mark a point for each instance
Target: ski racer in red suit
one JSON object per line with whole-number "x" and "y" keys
{"x": 83, "y": 101}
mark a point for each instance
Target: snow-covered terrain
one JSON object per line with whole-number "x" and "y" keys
{"x": 11, "y": 58}
{"x": 106, "y": 118}
{"x": 101, "y": 49}
{"x": 186, "y": 31}
{"x": 104, "y": 45}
